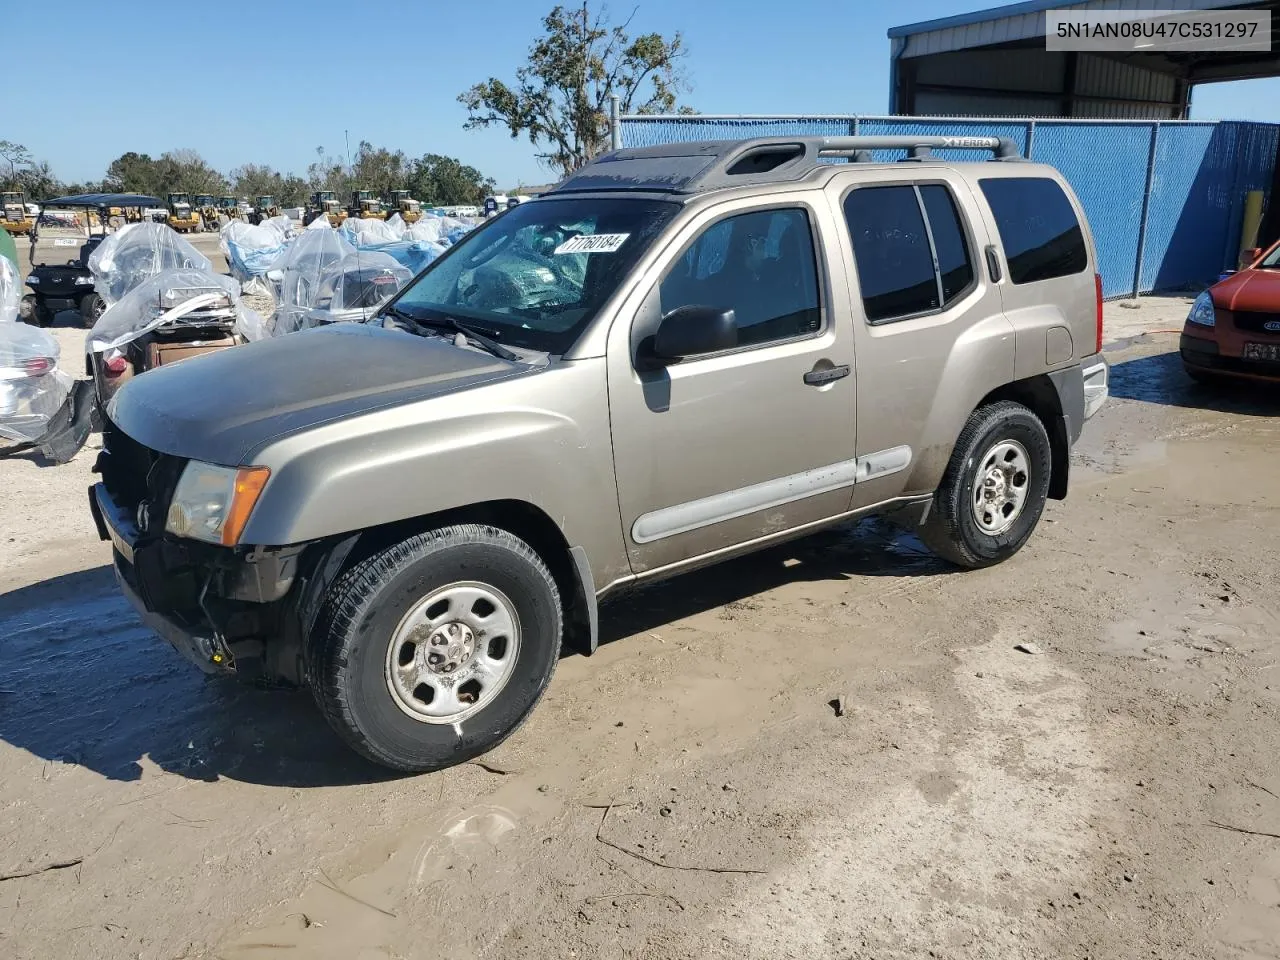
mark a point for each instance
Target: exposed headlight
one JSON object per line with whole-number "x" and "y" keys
{"x": 84, "y": 281}
{"x": 32, "y": 280}
{"x": 1202, "y": 311}
{"x": 213, "y": 503}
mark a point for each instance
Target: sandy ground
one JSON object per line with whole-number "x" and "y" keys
{"x": 689, "y": 790}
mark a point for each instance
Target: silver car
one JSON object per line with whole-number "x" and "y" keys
{"x": 679, "y": 354}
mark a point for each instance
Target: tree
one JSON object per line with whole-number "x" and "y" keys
{"x": 443, "y": 181}
{"x": 16, "y": 155}
{"x": 328, "y": 172}
{"x": 185, "y": 171}
{"x": 561, "y": 97}
{"x": 378, "y": 170}
{"x": 37, "y": 182}
{"x": 133, "y": 173}
{"x": 253, "y": 180}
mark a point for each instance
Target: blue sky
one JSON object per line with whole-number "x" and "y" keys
{"x": 271, "y": 80}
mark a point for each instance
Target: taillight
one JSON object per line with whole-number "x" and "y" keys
{"x": 37, "y": 366}
{"x": 116, "y": 365}
{"x": 1097, "y": 285}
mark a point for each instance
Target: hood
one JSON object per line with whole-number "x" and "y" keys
{"x": 1251, "y": 291}
{"x": 223, "y": 406}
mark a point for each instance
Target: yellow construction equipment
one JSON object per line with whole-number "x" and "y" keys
{"x": 16, "y": 220}
{"x": 410, "y": 210}
{"x": 324, "y": 203}
{"x": 181, "y": 216}
{"x": 229, "y": 207}
{"x": 207, "y": 208}
{"x": 364, "y": 204}
{"x": 264, "y": 208}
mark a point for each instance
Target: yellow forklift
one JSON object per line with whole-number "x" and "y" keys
{"x": 207, "y": 208}
{"x": 181, "y": 216}
{"x": 365, "y": 205}
{"x": 410, "y": 210}
{"x": 324, "y": 203}
{"x": 16, "y": 220}
{"x": 264, "y": 208}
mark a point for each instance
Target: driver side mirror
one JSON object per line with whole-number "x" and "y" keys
{"x": 695, "y": 330}
{"x": 1252, "y": 255}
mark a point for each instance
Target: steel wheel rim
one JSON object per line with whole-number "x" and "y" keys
{"x": 453, "y": 652}
{"x": 1000, "y": 487}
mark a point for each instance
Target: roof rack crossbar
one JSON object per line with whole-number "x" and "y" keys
{"x": 1003, "y": 147}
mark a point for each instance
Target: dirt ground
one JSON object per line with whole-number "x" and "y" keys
{"x": 689, "y": 790}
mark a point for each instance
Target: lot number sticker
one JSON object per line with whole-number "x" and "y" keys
{"x": 593, "y": 243}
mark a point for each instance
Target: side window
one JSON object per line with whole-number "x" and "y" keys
{"x": 949, "y": 244}
{"x": 891, "y": 251}
{"x": 1038, "y": 228}
{"x": 761, "y": 265}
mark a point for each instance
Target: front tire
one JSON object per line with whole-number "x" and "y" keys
{"x": 994, "y": 489}
{"x": 434, "y": 650}
{"x": 92, "y": 306}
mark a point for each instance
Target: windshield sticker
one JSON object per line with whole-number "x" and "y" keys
{"x": 593, "y": 243}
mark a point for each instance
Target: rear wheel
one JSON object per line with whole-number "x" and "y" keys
{"x": 994, "y": 489}
{"x": 27, "y": 308}
{"x": 435, "y": 649}
{"x": 92, "y": 306}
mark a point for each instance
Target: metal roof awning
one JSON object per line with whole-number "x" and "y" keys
{"x": 994, "y": 62}
{"x": 1017, "y": 22}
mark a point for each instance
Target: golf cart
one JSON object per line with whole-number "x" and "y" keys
{"x": 61, "y": 243}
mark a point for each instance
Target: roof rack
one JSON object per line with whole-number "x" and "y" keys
{"x": 699, "y": 166}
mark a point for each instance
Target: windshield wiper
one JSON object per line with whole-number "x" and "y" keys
{"x": 452, "y": 323}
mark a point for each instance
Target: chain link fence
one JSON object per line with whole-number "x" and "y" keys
{"x": 1165, "y": 199}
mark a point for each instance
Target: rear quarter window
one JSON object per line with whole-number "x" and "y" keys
{"x": 1038, "y": 228}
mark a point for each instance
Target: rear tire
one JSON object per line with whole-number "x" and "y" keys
{"x": 994, "y": 488}
{"x": 369, "y": 662}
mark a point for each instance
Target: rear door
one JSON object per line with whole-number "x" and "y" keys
{"x": 928, "y": 320}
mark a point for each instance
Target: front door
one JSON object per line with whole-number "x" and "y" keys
{"x": 731, "y": 447}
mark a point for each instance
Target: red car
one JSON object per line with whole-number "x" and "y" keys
{"x": 1233, "y": 329}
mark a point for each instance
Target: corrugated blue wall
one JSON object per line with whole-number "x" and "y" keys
{"x": 1199, "y": 175}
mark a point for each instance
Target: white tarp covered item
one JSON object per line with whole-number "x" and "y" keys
{"x": 252, "y": 250}
{"x": 175, "y": 296}
{"x": 367, "y": 232}
{"x": 136, "y": 253}
{"x": 354, "y": 287}
{"x": 396, "y": 224}
{"x": 32, "y": 388}
{"x": 299, "y": 271}
{"x": 320, "y": 223}
{"x": 10, "y": 290}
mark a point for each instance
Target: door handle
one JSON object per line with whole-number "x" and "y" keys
{"x": 819, "y": 376}
{"x": 993, "y": 264}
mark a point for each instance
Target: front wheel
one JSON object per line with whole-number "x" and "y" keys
{"x": 994, "y": 489}
{"x": 435, "y": 649}
{"x": 92, "y": 306}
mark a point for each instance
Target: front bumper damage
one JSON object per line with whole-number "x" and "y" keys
{"x": 227, "y": 610}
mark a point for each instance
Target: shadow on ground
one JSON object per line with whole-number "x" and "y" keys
{"x": 1161, "y": 379}
{"x": 83, "y": 682}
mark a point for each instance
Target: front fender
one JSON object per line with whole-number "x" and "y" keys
{"x": 542, "y": 440}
